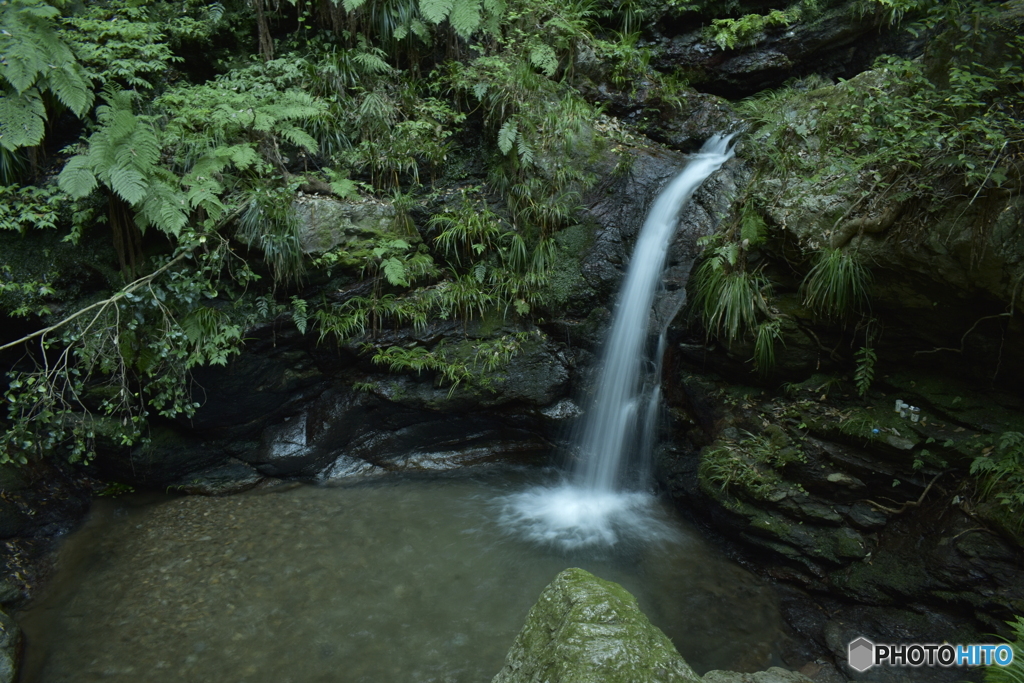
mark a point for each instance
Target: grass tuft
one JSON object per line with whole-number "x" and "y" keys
{"x": 837, "y": 285}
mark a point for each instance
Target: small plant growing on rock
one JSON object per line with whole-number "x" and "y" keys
{"x": 837, "y": 285}
{"x": 728, "y": 298}
{"x": 1014, "y": 673}
{"x": 1002, "y": 472}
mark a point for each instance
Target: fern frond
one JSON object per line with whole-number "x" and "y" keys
{"x": 435, "y": 11}
{"x": 69, "y": 83}
{"x": 165, "y": 208}
{"x": 371, "y": 62}
{"x": 22, "y": 119}
{"x": 299, "y": 138}
{"x": 507, "y": 135}
{"x": 77, "y": 178}
{"x": 544, "y": 58}
{"x": 465, "y": 17}
{"x": 525, "y": 151}
{"x": 127, "y": 183}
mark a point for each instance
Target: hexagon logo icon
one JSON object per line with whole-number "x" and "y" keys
{"x": 861, "y": 654}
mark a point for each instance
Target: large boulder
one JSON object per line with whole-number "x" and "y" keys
{"x": 587, "y": 630}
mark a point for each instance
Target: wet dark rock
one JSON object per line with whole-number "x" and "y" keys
{"x": 841, "y": 42}
{"x": 10, "y": 648}
{"x": 231, "y": 477}
{"x": 895, "y": 625}
{"x": 686, "y": 126}
{"x": 870, "y": 535}
{"x": 39, "y": 500}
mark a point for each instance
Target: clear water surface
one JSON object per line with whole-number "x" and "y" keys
{"x": 392, "y": 579}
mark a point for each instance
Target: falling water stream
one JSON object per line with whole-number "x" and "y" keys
{"x": 401, "y": 578}
{"x": 602, "y": 502}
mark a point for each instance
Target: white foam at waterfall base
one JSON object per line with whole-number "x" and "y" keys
{"x": 569, "y": 517}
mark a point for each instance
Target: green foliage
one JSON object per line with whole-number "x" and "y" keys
{"x": 28, "y": 207}
{"x": 916, "y": 134}
{"x": 750, "y": 465}
{"x": 732, "y": 33}
{"x": 464, "y": 16}
{"x": 124, "y": 155}
{"x": 768, "y": 333}
{"x": 837, "y": 286}
{"x": 865, "y": 372}
{"x": 470, "y": 362}
{"x": 119, "y": 46}
{"x": 112, "y": 363}
{"x": 1002, "y": 472}
{"x": 36, "y": 63}
{"x": 1014, "y": 673}
{"x": 242, "y": 118}
{"x": 727, "y": 298}
{"x": 269, "y": 224}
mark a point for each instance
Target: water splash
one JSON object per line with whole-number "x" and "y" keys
{"x": 572, "y": 518}
{"x": 620, "y": 426}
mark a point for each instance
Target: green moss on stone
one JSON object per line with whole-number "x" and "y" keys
{"x": 587, "y": 630}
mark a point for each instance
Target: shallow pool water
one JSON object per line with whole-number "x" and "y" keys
{"x": 399, "y": 578}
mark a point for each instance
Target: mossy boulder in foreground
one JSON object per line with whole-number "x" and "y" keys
{"x": 584, "y": 629}
{"x": 587, "y": 630}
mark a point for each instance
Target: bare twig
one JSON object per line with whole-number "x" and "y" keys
{"x": 909, "y": 503}
{"x": 963, "y": 339}
{"x": 128, "y": 289}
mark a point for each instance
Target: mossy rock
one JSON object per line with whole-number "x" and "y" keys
{"x": 326, "y": 223}
{"x": 587, "y": 630}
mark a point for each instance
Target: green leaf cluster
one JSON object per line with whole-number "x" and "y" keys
{"x": 36, "y": 63}
{"x": 1001, "y": 472}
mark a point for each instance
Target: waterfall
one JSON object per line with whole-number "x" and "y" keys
{"x": 620, "y": 421}
{"x": 595, "y": 508}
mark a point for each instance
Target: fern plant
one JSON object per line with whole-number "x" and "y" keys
{"x": 865, "y": 372}
{"x": 36, "y": 62}
{"x": 124, "y": 156}
{"x": 118, "y": 45}
{"x": 1002, "y": 472}
{"x": 1014, "y": 673}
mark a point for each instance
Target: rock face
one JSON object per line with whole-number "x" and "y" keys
{"x": 587, "y": 630}
{"x": 327, "y": 223}
{"x": 839, "y": 42}
{"x": 291, "y": 407}
{"x": 872, "y": 516}
{"x": 10, "y": 648}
